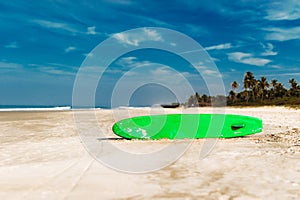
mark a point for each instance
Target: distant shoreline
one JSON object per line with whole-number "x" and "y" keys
{"x": 69, "y": 108}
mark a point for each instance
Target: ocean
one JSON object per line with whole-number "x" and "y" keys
{"x": 33, "y": 108}
{"x": 57, "y": 107}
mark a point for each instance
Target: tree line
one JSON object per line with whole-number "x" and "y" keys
{"x": 255, "y": 92}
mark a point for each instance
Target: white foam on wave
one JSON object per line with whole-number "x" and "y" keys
{"x": 37, "y": 109}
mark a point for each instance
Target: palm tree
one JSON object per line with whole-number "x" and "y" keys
{"x": 280, "y": 90}
{"x": 205, "y": 98}
{"x": 274, "y": 84}
{"x": 192, "y": 102}
{"x": 232, "y": 93}
{"x": 232, "y": 96}
{"x": 294, "y": 87}
{"x": 248, "y": 83}
{"x": 198, "y": 98}
{"x": 234, "y": 85}
{"x": 293, "y": 83}
{"x": 264, "y": 85}
{"x": 256, "y": 91}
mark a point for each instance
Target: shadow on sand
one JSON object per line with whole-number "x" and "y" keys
{"x": 111, "y": 138}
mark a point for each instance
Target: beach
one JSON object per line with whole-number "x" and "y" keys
{"x": 43, "y": 157}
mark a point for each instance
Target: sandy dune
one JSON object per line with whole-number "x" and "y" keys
{"x": 42, "y": 156}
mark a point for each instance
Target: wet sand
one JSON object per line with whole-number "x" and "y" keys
{"x": 42, "y": 156}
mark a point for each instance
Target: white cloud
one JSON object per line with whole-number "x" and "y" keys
{"x": 191, "y": 51}
{"x": 284, "y": 10}
{"x": 275, "y": 66}
{"x": 55, "y": 25}
{"x": 268, "y": 50}
{"x": 154, "y": 70}
{"x": 70, "y": 48}
{"x": 88, "y": 54}
{"x": 126, "y": 60}
{"x": 247, "y": 58}
{"x": 238, "y": 56}
{"x": 91, "y": 30}
{"x": 10, "y": 66}
{"x": 135, "y": 39}
{"x": 219, "y": 47}
{"x": 71, "y": 28}
{"x": 282, "y": 34}
{"x": 162, "y": 71}
{"x": 211, "y": 72}
{"x": 131, "y": 62}
{"x": 91, "y": 70}
{"x": 207, "y": 71}
{"x": 285, "y": 74}
{"x": 124, "y": 38}
{"x": 152, "y": 34}
{"x": 200, "y": 66}
{"x": 55, "y": 69}
{"x": 12, "y": 45}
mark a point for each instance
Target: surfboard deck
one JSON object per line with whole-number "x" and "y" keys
{"x": 180, "y": 126}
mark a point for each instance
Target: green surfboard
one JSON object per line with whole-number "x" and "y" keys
{"x": 180, "y": 126}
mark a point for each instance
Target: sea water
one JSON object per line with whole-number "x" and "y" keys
{"x": 5, "y": 108}
{"x": 32, "y": 108}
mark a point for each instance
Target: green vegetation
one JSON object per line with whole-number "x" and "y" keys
{"x": 256, "y": 92}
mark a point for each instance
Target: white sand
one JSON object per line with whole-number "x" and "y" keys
{"x": 41, "y": 156}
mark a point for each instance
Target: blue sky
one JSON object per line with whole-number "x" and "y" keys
{"x": 43, "y": 44}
